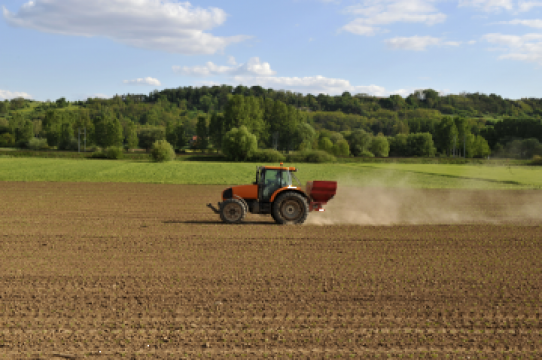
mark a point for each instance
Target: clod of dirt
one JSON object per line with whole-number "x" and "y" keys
{"x": 207, "y": 345}
{"x": 193, "y": 325}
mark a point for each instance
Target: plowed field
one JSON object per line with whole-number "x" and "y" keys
{"x": 117, "y": 271}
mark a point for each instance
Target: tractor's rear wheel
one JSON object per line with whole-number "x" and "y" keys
{"x": 290, "y": 208}
{"x": 233, "y": 211}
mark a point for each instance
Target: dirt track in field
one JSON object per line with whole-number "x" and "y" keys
{"x": 124, "y": 271}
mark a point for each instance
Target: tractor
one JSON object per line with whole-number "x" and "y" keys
{"x": 273, "y": 193}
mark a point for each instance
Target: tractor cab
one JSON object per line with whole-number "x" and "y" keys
{"x": 269, "y": 179}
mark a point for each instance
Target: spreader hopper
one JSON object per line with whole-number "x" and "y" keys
{"x": 320, "y": 193}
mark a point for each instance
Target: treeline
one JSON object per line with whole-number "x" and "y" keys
{"x": 422, "y": 124}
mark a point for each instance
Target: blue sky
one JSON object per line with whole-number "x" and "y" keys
{"x": 80, "y": 48}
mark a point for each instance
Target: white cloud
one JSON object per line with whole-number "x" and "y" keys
{"x": 488, "y": 5}
{"x": 315, "y": 85}
{"x": 6, "y": 94}
{"x": 166, "y": 25}
{"x": 498, "y": 5}
{"x": 418, "y": 43}
{"x": 256, "y": 73}
{"x": 252, "y": 67}
{"x": 527, "y": 47}
{"x": 524, "y": 6}
{"x": 471, "y": 42}
{"x": 534, "y": 23}
{"x": 373, "y": 13}
{"x": 452, "y": 43}
{"x": 144, "y": 81}
{"x": 231, "y": 60}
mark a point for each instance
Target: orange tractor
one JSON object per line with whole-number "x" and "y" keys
{"x": 274, "y": 193}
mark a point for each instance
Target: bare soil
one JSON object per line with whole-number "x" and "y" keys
{"x": 133, "y": 271}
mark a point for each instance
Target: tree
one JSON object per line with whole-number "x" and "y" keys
{"x": 400, "y": 128}
{"x": 530, "y": 147}
{"x": 61, "y": 103}
{"x": 17, "y": 103}
{"x": 171, "y": 133}
{"x": 181, "y": 137}
{"x": 132, "y": 140}
{"x": 482, "y": 147}
{"x": 245, "y": 111}
{"x": 463, "y": 134}
{"x": 324, "y": 143}
{"x": 256, "y": 124}
{"x": 398, "y": 145}
{"x": 235, "y": 113}
{"x": 216, "y": 130}
{"x": 446, "y": 135}
{"x": 84, "y": 123}
{"x": 148, "y": 136}
{"x": 6, "y": 140}
{"x": 206, "y": 103}
{"x": 66, "y": 136}
{"x": 278, "y": 117}
{"x": 4, "y": 125}
{"x": 239, "y": 144}
{"x": 268, "y": 106}
{"x": 202, "y": 133}
{"x": 24, "y": 133}
{"x": 288, "y": 126}
{"x": 4, "y": 107}
{"x": 335, "y": 137}
{"x": 421, "y": 144}
{"x": 53, "y": 126}
{"x": 380, "y": 146}
{"x": 304, "y": 136}
{"x": 108, "y": 130}
{"x": 360, "y": 141}
{"x": 341, "y": 148}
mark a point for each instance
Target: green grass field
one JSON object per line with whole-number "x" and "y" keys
{"x": 222, "y": 173}
{"x": 519, "y": 175}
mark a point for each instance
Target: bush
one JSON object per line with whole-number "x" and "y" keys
{"x": 239, "y": 144}
{"x": 113, "y": 153}
{"x": 37, "y": 144}
{"x": 93, "y": 148}
{"x": 366, "y": 153}
{"x": 98, "y": 155}
{"x": 380, "y": 146}
{"x": 311, "y": 156}
{"x": 269, "y": 156}
{"x": 162, "y": 151}
{"x": 341, "y": 148}
{"x": 6, "y": 140}
{"x": 537, "y": 160}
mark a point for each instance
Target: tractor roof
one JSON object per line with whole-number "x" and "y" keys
{"x": 279, "y": 168}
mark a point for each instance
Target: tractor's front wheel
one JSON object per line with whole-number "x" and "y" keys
{"x": 232, "y": 211}
{"x": 290, "y": 208}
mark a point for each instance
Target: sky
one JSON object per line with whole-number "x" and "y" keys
{"x": 79, "y": 48}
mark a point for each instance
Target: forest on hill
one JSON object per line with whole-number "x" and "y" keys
{"x": 425, "y": 123}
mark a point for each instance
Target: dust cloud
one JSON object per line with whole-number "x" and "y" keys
{"x": 372, "y": 205}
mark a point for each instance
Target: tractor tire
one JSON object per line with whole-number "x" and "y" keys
{"x": 232, "y": 211}
{"x": 290, "y": 208}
